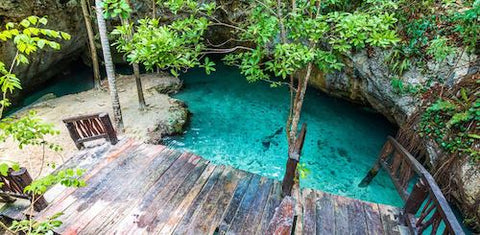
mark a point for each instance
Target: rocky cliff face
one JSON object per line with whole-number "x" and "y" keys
{"x": 366, "y": 79}
{"x": 63, "y": 15}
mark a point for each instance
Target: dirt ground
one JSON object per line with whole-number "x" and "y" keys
{"x": 138, "y": 124}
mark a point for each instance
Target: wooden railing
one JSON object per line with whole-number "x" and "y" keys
{"x": 425, "y": 209}
{"x": 90, "y": 127}
{"x": 292, "y": 162}
{"x": 13, "y": 186}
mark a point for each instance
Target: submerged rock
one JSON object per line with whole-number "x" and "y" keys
{"x": 268, "y": 140}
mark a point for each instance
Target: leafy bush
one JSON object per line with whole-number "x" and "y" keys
{"x": 453, "y": 122}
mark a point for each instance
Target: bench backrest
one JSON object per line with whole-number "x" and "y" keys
{"x": 90, "y": 127}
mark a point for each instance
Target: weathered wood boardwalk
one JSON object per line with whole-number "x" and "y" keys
{"x": 134, "y": 188}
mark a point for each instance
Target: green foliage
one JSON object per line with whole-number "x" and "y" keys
{"x": 302, "y": 170}
{"x": 28, "y": 130}
{"x": 4, "y": 168}
{"x": 114, "y": 8}
{"x": 434, "y": 29}
{"x": 440, "y": 49}
{"x": 400, "y": 87}
{"x": 467, "y": 25}
{"x": 314, "y": 34}
{"x": 453, "y": 123}
{"x": 441, "y": 105}
{"x": 68, "y": 178}
{"x": 28, "y": 36}
{"x": 33, "y": 227}
{"x": 174, "y": 47}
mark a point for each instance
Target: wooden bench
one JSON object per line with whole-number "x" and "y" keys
{"x": 425, "y": 206}
{"x": 90, "y": 127}
{"x": 13, "y": 186}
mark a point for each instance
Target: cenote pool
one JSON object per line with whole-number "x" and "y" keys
{"x": 242, "y": 124}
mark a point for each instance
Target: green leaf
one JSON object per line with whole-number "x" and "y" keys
{"x": 33, "y": 19}
{"x": 43, "y": 21}
{"x": 475, "y": 136}
{"x": 9, "y": 25}
{"x": 65, "y": 36}
{"x": 25, "y": 23}
{"x": 4, "y": 169}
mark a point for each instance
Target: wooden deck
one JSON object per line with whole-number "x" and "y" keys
{"x": 134, "y": 188}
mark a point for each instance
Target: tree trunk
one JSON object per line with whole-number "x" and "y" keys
{"x": 297, "y": 108}
{"x": 91, "y": 42}
{"x": 154, "y": 9}
{"x": 102, "y": 29}
{"x": 138, "y": 81}
{"x": 136, "y": 69}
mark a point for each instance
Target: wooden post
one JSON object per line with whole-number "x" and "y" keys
{"x": 23, "y": 179}
{"x": 5, "y": 197}
{"x": 292, "y": 162}
{"x": 386, "y": 150}
{"x": 416, "y": 198}
{"x": 107, "y": 124}
{"x": 74, "y": 134}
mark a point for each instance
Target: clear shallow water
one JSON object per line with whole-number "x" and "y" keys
{"x": 242, "y": 124}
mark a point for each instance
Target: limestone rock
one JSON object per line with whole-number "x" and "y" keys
{"x": 366, "y": 79}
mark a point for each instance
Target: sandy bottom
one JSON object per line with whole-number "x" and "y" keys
{"x": 137, "y": 123}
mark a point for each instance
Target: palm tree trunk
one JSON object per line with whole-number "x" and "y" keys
{"x": 102, "y": 29}
{"x": 91, "y": 42}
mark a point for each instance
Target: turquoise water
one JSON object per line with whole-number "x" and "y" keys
{"x": 79, "y": 78}
{"x": 242, "y": 125}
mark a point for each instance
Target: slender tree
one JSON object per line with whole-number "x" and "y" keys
{"x": 91, "y": 43}
{"x": 122, "y": 9}
{"x": 102, "y": 29}
{"x": 136, "y": 69}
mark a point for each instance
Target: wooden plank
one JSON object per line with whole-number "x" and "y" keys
{"x": 245, "y": 204}
{"x": 250, "y": 211}
{"x": 179, "y": 211}
{"x": 309, "y": 212}
{"x": 234, "y": 204}
{"x": 356, "y": 217}
{"x": 297, "y": 192}
{"x": 104, "y": 195}
{"x": 373, "y": 219}
{"x": 389, "y": 216}
{"x": 208, "y": 216}
{"x": 170, "y": 205}
{"x": 341, "y": 215}
{"x": 131, "y": 195}
{"x": 274, "y": 200}
{"x": 150, "y": 210}
{"x": 132, "y": 217}
{"x": 325, "y": 214}
{"x": 282, "y": 221}
{"x": 92, "y": 176}
{"x": 201, "y": 197}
